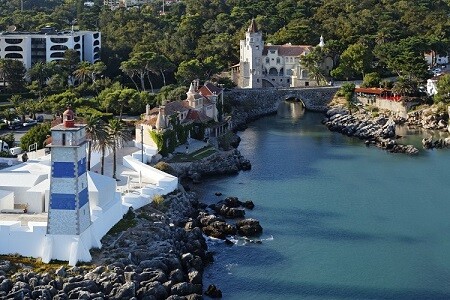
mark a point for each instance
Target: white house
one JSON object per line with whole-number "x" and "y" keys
{"x": 49, "y": 45}
{"x": 270, "y": 65}
{"x": 432, "y": 85}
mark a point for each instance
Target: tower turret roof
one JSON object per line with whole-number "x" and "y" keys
{"x": 253, "y": 27}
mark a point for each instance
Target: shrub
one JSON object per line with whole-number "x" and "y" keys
{"x": 126, "y": 222}
{"x": 371, "y": 80}
{"x": 36, "y": 134}
{"x": 165, "y": 167}
{"x": 158, "y": 202}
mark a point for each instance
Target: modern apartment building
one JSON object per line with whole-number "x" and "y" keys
{"x": 49, "y": 45}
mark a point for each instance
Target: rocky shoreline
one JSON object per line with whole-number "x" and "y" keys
{"x": 379, "y": 131}
{"x": 220, "y": 163}
{"x": 161, "y": 255}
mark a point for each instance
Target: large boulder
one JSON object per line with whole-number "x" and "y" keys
{"x": 213, "y": 292}
{"x": 249, "y": 227}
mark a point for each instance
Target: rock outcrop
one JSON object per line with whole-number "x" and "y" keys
{"x": 379, "y": 131}
{"x": 220, "y": 163}
{"x": 158, "y": 258}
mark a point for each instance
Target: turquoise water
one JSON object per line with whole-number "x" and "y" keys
{"x": 341, "y": 221}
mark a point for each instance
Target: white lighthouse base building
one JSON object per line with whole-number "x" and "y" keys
{"x": 24, "y": 204}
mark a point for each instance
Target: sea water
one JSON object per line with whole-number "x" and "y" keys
{"x": 341, "y": 220}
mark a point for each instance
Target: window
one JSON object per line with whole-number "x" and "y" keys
{"x": 267, "y": 60}
{"x": 278, "y": 60}
{"x": 257, "y": 47}
{"x": 63, "y": 139}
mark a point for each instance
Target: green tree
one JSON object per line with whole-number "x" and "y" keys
{"x": 95, "y": 132}
{"x": 70, "y": 62}
{"x": 188, "y": 71}
{"x": 14, "y": 73}
{"x": 443, "y": 89}
{"x": 357, "y": 58}
{"x": 311, "y": 62}
{"x": 119, "y": 135}
{"x": 37, "y": 134}
{"x": 404, "y": 86}
{"x": 371, "y": 80}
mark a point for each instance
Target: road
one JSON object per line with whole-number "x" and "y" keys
{"x": 18, "y": 133}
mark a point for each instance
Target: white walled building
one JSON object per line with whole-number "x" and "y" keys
{"x": 49, "y": 45}
{"x": 269, "y": 65}
{"x": 49, "y": 186}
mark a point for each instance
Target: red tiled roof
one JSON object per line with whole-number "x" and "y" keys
{"x": 374, "y": 91}
{"x": 287, "y": 50}
{"x": 208, "y": 89}
{"x": 197, "y": 116}
{"x": 176, "y": 106}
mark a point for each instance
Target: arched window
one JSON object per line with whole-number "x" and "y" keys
{"x": 13, "y": 48}
{"x": 267, "y": 60}
{"x": 278, "y": 60}
{"x": 273, "y": 72}
{"x": 58, "y": 48}
{"x": 13, "y": 41}
{"x": 13, "y": 55}
{"x": 281, "y": 72}
{"x": 57, "y": 55}
{"x": 59, "y": 40}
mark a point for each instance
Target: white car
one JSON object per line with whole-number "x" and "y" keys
{"x": 29, "y": 123}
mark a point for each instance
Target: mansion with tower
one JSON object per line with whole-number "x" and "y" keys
{"x": 263, "y": 66}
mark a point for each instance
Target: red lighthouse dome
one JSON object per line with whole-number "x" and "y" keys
{"x": 68, "y": 118}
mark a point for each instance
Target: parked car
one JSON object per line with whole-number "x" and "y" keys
{"x": 15, "y": 124}
{"x": 29, "y": 122}
{"x": 40, "y": 118}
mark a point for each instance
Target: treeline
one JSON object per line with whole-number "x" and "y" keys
{"x": 204, "y": 34}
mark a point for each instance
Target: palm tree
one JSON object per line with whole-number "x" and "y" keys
{"x": 404, "y": 86}
{"x": 83, "y": 71}
{"x": 311, "y": 63}
{"x": 104, "y": 144}
{"x": 95, "y": 131}
{"x": 119, "y": 135}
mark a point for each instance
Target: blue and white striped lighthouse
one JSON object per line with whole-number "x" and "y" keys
{"x": 69, "y": 212}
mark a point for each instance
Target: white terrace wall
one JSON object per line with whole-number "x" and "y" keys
{"x": 166, "y": 182}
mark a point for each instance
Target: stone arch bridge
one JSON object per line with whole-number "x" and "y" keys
{"x": 253, "y": 103}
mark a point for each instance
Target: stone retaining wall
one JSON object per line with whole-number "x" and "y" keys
{"x": 249, "y": 104}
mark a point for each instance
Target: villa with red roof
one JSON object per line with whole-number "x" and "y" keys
{"x": 199, "y": 110}
{"x": 270, "y": 65}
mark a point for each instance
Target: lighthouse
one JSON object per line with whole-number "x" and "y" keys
{"x": 69, "y": 212}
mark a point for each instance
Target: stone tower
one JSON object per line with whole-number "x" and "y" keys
{"x": 69, "y": 212}
{"x": 251, "y": 50}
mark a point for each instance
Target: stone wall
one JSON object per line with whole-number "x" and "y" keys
{"x": 250, "y": 104}
{"x": 400, "y": 108}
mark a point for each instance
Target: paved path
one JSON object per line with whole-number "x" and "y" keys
{"x": 193, "y": 145}
{"x": 108, "y": 168}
